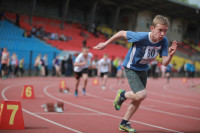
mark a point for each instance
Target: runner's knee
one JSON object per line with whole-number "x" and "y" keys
{"x": 141, "y": 96}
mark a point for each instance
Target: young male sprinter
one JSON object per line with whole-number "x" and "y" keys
{"x": 145, "y": 48}
{"x": 104, "y": 67}
{"x": 82, "y": 62}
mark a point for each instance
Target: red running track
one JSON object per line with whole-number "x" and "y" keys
{"x": 173, "y": 107}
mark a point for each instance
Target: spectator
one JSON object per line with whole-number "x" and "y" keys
{"x": 38, "y": 64}
{"x": 69, "y": 65}
{"x": 17, "y": 20}
{"x": 54, "y": 36}
{"x": 33, "y": 30}
{"x": 27, "y": 34}
{"x": 14, "y": 64}
{"x": 64, "y": 66}
{"x": 113, "y": 68}
{"x": 84, "y": 42}
{"x": 187, "y": 69}
{"x": 63, "y": 38}
{"x": 182, "y": 70}
{"x": 120, "y": 70}
{"x": 56, "y": 64}
{"x": 4, "y": 63}
{"x": 192, "y": 70}
{"x": 45, "y": 59}
{"x": 95, "y": 65}
{"x": 42, "y": 67}
{"x": 21, "y": 67}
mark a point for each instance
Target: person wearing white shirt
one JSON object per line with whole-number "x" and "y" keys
{"x": 81, "y": 65}
{"x": 104, "y": 68}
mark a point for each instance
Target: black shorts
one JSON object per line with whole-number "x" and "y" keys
{"x": 102, "y": 74}
{"x": 137, "y": 79}
{"x": 4, "y": 67}
{"x": 79, "y": 74}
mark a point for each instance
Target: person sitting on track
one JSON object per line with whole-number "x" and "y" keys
{"x": 145, "y": 48}
{"x": 82, "y": 62}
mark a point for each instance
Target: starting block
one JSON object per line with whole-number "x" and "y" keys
{"x": 63, "y": 87}
{"x": 51, "y": 107}
{"x": 59, "y": 107}
{"x": 95, "y": 81}
{"x": 11, "y": 115}
{"x": 28, "y": 92}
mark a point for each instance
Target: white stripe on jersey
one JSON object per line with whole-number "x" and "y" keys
{"x": 131, "y": 56}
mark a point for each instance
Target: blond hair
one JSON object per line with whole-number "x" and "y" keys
{"x": 159, "y": 19}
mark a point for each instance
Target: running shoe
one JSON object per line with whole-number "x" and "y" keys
{"x": 76, "y": 93}
{"x": 84, "y": 92}
{"x": 127, "y": 128}
{"x": 118, "y": 100}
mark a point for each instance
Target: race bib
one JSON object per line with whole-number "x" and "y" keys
{"x": 150, "y": 54}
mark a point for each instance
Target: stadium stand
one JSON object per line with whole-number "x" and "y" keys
{"x": 73, "y": 31}
{"x": 11, "y": 37}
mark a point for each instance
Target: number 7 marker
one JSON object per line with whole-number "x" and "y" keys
{"x": 11, "y": 115}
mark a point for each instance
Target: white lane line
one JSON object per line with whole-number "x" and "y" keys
{"x": 150, "y": 109}
{"x": 169, "y": 113}
{"x": 50, "y": 121}
{"x": 180, "y": 93}
{"x": 54, "y": 113}
{"x": 106, "y": 114}
{"x": 172, "y": 97}
{"x": 174, "y": 104}
{"x": 111, "y": 87}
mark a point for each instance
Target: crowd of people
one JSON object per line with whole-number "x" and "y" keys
{"x": 11, "y": 66}
{"x": 40, "y": 32}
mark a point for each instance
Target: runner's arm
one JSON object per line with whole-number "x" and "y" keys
{"x": 80, "y": 63}
{"x": 120, "y": 34}
{"x": 166, "y": 59}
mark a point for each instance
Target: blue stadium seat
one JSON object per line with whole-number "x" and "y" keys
{"x": 11, "y": 37}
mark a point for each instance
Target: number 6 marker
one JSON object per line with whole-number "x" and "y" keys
{"x": 28, "y": 92}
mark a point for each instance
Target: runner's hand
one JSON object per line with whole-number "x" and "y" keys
{"x": 172, "y": 49}
{"x": 100, "y": 46}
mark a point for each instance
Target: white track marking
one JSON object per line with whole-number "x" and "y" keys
{"x": 54, "y": 113}
{"x": 146, "y": 108}
{"x": 174, "y": 104}
{"x": 180, "y": 93}
{"x": 106, "y": 114}
{"x": 169, "y": 96}
{"x": 111, "y": 87}
{"x": 50, "y": 121}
